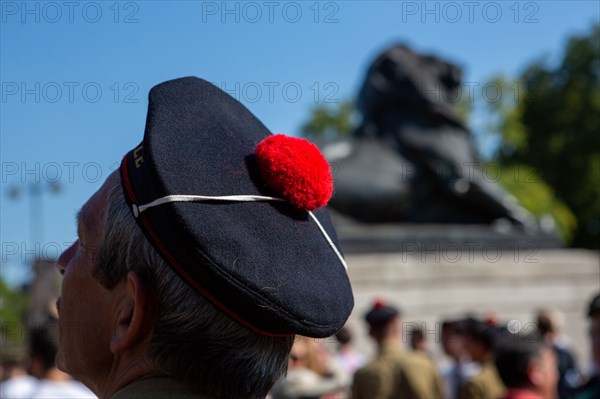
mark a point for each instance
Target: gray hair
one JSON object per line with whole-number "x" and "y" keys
{"x": 193, "y": 341}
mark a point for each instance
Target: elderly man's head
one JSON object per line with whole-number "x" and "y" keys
{"x": 124, "y": 314}
{"x": 204, "y": 255}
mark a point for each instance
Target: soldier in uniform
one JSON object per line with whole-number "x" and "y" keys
{"x": 394, "y": 373}
{"x": 480, "y": 341}
{"x": 199, "y": 260}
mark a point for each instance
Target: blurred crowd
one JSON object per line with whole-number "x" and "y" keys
{"x": 482, "y": 359}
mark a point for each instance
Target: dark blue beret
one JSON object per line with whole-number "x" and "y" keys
{"x": 266, "y": 264}
{"x": 482, "y": 331}
{"x": 381, "y": 313}
{"x": 594, "y": 306}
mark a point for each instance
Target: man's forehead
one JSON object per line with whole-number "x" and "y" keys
{"x": 95, "y": 206}
{"x": 83, "y": 217}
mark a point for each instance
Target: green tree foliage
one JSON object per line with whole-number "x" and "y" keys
{"x": 555, "y": 128}
{"x": 13, "y": 305}
{"x": 537, "y": 197}
{"x": 504, "y": 116}
{"x": 505, "y": 120}
{"x": 327, "y": 123}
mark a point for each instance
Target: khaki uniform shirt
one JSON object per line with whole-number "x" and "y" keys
{"x": 484, "y": 385}
{"x": 395, "y": 374}
{"x": 156, "y": 388}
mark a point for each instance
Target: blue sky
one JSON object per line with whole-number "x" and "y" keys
{"x": 75, "y": 76}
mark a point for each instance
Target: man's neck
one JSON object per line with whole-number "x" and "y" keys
{"x": 484, "y": 359}
{"x": 123, "y": 374}
{"x": 392, "y": 341}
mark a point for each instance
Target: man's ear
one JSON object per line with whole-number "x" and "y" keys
{"x": 135, "y": 315}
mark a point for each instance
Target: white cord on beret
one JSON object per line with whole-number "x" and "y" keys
{"x": 234, "y": 198}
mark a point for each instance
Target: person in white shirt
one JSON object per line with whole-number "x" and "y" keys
{"x": 46, "y": 381}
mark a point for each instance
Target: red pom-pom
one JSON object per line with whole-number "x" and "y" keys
{"x": 296, "y": 170}
{"x": 379, "y": 304}
{"x": 491, "y": 320}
